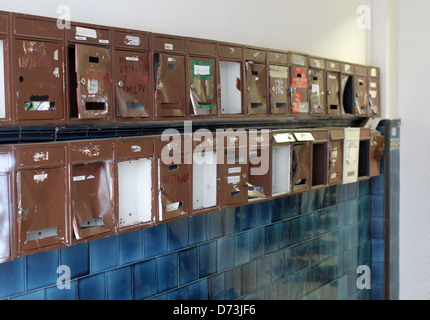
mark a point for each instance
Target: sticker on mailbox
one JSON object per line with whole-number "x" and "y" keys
{"x": 299, "y": 79}
{"x": 296, "y": 103}
{"x": 233, "y": 179}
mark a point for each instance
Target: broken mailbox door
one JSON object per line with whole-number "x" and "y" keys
{"x": 347, "y": 89}
{"x": 335, "y": 156}
{"x": 364, "y": 154}
{"x": 320, "y": 161}
{"x": 301, "y": 162}
{"x": 361, "y": 91}
{"x": 256, "y": 81}
{"x": 299, "y": 84}
{"x": 317, "y": 86}
{"x": 281, "y": 146}
{"x": 6, "y": 173}
{"x": 377, "y": 143}
{"x": 202, "y": 84}
{"x": 350, "y": 155}
{"x": 333, "y": 88}
{"x": 374, "y": 92}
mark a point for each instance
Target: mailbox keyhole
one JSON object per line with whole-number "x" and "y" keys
{"x": 21, "y": 79}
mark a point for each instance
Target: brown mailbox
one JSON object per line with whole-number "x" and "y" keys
{"x": 255, "y": 81}
{"x": 133, "y": 81}
{"x": 6, "y": 204}
{"x": 135, "y": 182}
{"x": 42, "y": 197}
{"x": 320, "y": 159}
{"x": 38, "y": 70}
{"x": 5, "y": 112}
{"x": 317, "y": 98}
{"x": 333, "y": 93}
{"x": 231, "y": 79}
{"x": 377, "y": 143}
{"x": 335, "y": 156}
{"x": 92, "y": 183}
{"x": 374, "y": 92}
{"x": 347, "y": 92}
{"x": 174, "y": 177}
{"x": 170, "y": 76}
{"x": 278, "y": 82}
{"x": 281, "y": 158}
{"x": 361, "y": 91}
{"x": 364, "y": 151}
{"x": 233, "y": 167}
{"x": 299, "y": 83}
{"x": 301, "y": 161}
{"x": 202, "y": 77}
{"x": 260, "y": 174}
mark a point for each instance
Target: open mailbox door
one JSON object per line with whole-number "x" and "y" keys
{"x": 347, "y": 89}
{"x": 333, "y": 88}
{"x": 374, "y": 92}
{"x": 278, "y": 82}
{"x": 320, "y": 158}
{"x": 6, "y": 199}
{"x": 377, "y": 144}
{"x": 92, "y": 181}
{"x": 299, "y": 83}
{"x": 317, "y": 98}
{"x": 301, "y": 161}
{"x": 5, "y": 112}
{"x": 42, "y": 197}
{"x": 351, "y": 154}
{"x": 335, "y": 156}
{"x": 361, "y": 91}
{"x": 281, "y": 155}
{"x": 364, "y": 154}
{"x": 256, "y": 81}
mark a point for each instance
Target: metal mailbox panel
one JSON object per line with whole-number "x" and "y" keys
{"x": 333, "y": 93}
{"x": 335, "y": 162}
{"x": 230, "y": 51}
{"x": 299, "y": 90}
{"x": 278, "y": 88}
{"x": 320, "y": 164}
{"x": 347, "y": 94}
{"x": 89, "y": 34}
{"x": 257, "y": 55}
{"x": 4, "y": 76}
{"x": 361, "y": 95}
{"x": 162, "y": 43}
{"x": 91, "y": 151}
{"x": 201, "y": 47}
{"x": 170, "y": 80}
{"x": 230, "y": 87}
{"x": 30, "y": 157}
{"x": 281, "y": 169}
{"x": 351, "y": 155}
{"x": 301, "y": 166}
{"x": 317, "y": 92}
{"x": 133, "y": 84}
{"x": 374, "y": 92}
{"x": 5, "y": 204}
{"x": 130, "y": 40}
{"x": 274, "y": 57}
{"x": 205, "y": 183}
{"x": 260, "y": 174}
{"x": 256, "y": 88}
{"x": 135, "y": 149}
{"x": 24, "y": 25}
{"x": 377, "y": 142}
{"x": 202, "y": 84}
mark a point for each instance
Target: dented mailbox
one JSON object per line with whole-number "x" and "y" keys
{"x": 333, "y": 93}
{"x": 317, "y": 98}
{"x": 350, "y": 154}
{"x": 320, "y": 158}
{"x": 335, "y": 156}
{"x": 256, "y": 81}
{"x": 377, "y": 144}
{"x": 281, "y": 157}
{"x": 278, "y": 82}
{"x": 361, "y": 91}
{"x": 374, "y": 92}
{"x": 301, "y": 161}
{"x": 299, "y": 83}
{"x": 6, "y": 200}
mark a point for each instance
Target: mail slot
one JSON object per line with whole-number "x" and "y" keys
{"x": 135, "y": 182}
{"x": 231, "y": 79}
{"x": 260, "y": 174}
{"x": 202, "y": 78}
{"x": 38, "y": 70}
{"x": 299, "y": 83}
{"x": 205, "y": 172}
{"x": 320, "y": 158}
{"x": 281, "y": 159}
{"x": 233, "y": 167}
{"x": 361, "y": 91}
{"x": 317, "y": 99}
{"x": 335, "y": 156}
{"x": 42, "y": 197}
{"x": 6, "y": 201}
{"x": 174, "y": 177}
{"x": 377, "y": 143}
{"x": 374, "y": 92}
{"x": 351, "y": 154}
{"x": 92, "y": 194}
{"x": 347, "y": 89}
{"x": 333, "y": 88}
{"x": 301, "y": 161}
{"x": 170, "y": 76}
{"x": 364, "y": 154}
{"x": 278, "y": 82}
{"x": 5, "y": 112}
{"x": 256, "y": 81}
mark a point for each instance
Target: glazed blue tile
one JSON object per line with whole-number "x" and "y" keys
{"x": 217, "y": 287}
{"x": 257, "y": 242}
{"x": 264, "y": 271}
{"x": 54, "y": 293}
{"x": 177, "y": 234}
{"x": 343, "y": 239}
{"x": 285, "y": 234}
{"x": 314, "y": 255}
{"x": 77, "y": 258}
{"x": 364, "y": 231}
{"x": 92, "y": 287}
{"x": 160, "y": 297}
{"x": 377, "y": 292}
{"x": 378, "y": 185}
{"x": 296, "y": 230}
{"x": 271, "y": 291}
{"x": 377, "y": 250}
{"x": 314, "y": 200}
{"x": 249, "y": 277}
{"x": 232, "y": 221}
{"x": 352, "y": 191}
{"x": 353, "y": 234}
{"x": 278, "y": 265}
{"x": 207, "y": 259}
{"x": 155, "y": 241}
{"x": 364, "y": 188}
{"x": 290, "y": 260}
{"x": 319, "y": 223}
{"x": 308, "y": 226}
{"x": 197, "y": 229}
{"x": 342, "y": 285}
{"x": 215, "y": 225}
{"x": 35, "y": 295}
{"x": 144, "y": 279}
{"x": 12, "y": 277}
{"x": 262, "y": 213}
{"x": 198, "y": 290}
{"x": 330, "y": 220}
{"x": 257, "y": 295}
{"x": 247, "y": 217}
{"x": 395, "y": 160}
{"x": 278, "y": 209}
{"x": 300, "y": 255}
{"x": 41, "y": 269}
{"x": 167, "y": 272}
{"x": 119, "y": 285}
{"x": 303, "y": 203}
{"x": 188, "y": 265}
{"x": 364, "y": 208}
{"x": 342, "y": 193}
{"x": 242, "y": 248}
{"x": 178, "y": 294}
{"x": 233, "y": 283}
{"x": 351, "y": 212}
{"x": 130, "y": 247}
{"x": 364, "y": 253}
{"x": 291, "y": 206}
{"x": 377, "y": 272}
{"x": 103, "y": 254}
{"x": 225, "y": 253}
{"x": 284, "y": 289}
{"x": 271, "y": 238}
{"x": 324, "y": 244}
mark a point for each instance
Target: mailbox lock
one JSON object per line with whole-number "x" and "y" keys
{"x": 120, "y": 83}
{"x": 83, "y": 81}
{"x": 244, "y": 175}
{"x": 231, "y": 50}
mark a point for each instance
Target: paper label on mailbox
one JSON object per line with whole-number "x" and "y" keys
{"x": 168, "y": 46}
{"x": 132, "y": 41}
{"x": 284, "y": 137}
{"x": 85, "y": 32}
{"x": 233, "y": 179}
{"x": 304, "y": 136}
{"x": 234, "y": 170}
{"x": 296, "y": 103}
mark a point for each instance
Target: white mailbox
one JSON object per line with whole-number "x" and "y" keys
{"x": 351, "y": 154}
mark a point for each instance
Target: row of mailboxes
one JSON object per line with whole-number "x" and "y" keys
{"x": 90, "y": 73}
{"x": 57, "y": 194}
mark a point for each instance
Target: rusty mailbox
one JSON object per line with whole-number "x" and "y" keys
{"x": 281, "y": 154}
{"x": 232, "y": 149}
{"x": 350, "y": 155}
{"x": 364, "y": 154}
{"x": 5, "y": 112}
{"x": 301, "y": 161}
{"x": 335, "y": 156}
{"x": 38, "y": 70}
{"x": 133, "y": 81}
{"x": 255, "y": 93}
{"x": 374, "y": 92}
{"x": 42, "y": 194}
{"x": 92, "y": 188}
{"x": 202, "y": 77}
{"x": 231, "y": 78}
{"x": 6, "y": 204}
{"x": 320, "y": 158}
{"x": 278, "y": 82}
{"x": 317, "y": 91}
{"x": 377, "y": 144}
{"x": 136, "y": 201}
{"x": 90, "y": 73}
{"x": 174, "y": 169}
{"x": 299, "y": 83}
{"x": 333, "y": 92}
{"x": 347, "y": 91}
{"x": 170, "y": 76}
{"x": 361, "y": 91}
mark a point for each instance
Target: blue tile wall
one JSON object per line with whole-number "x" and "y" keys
{"x": 305, "y": 246}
